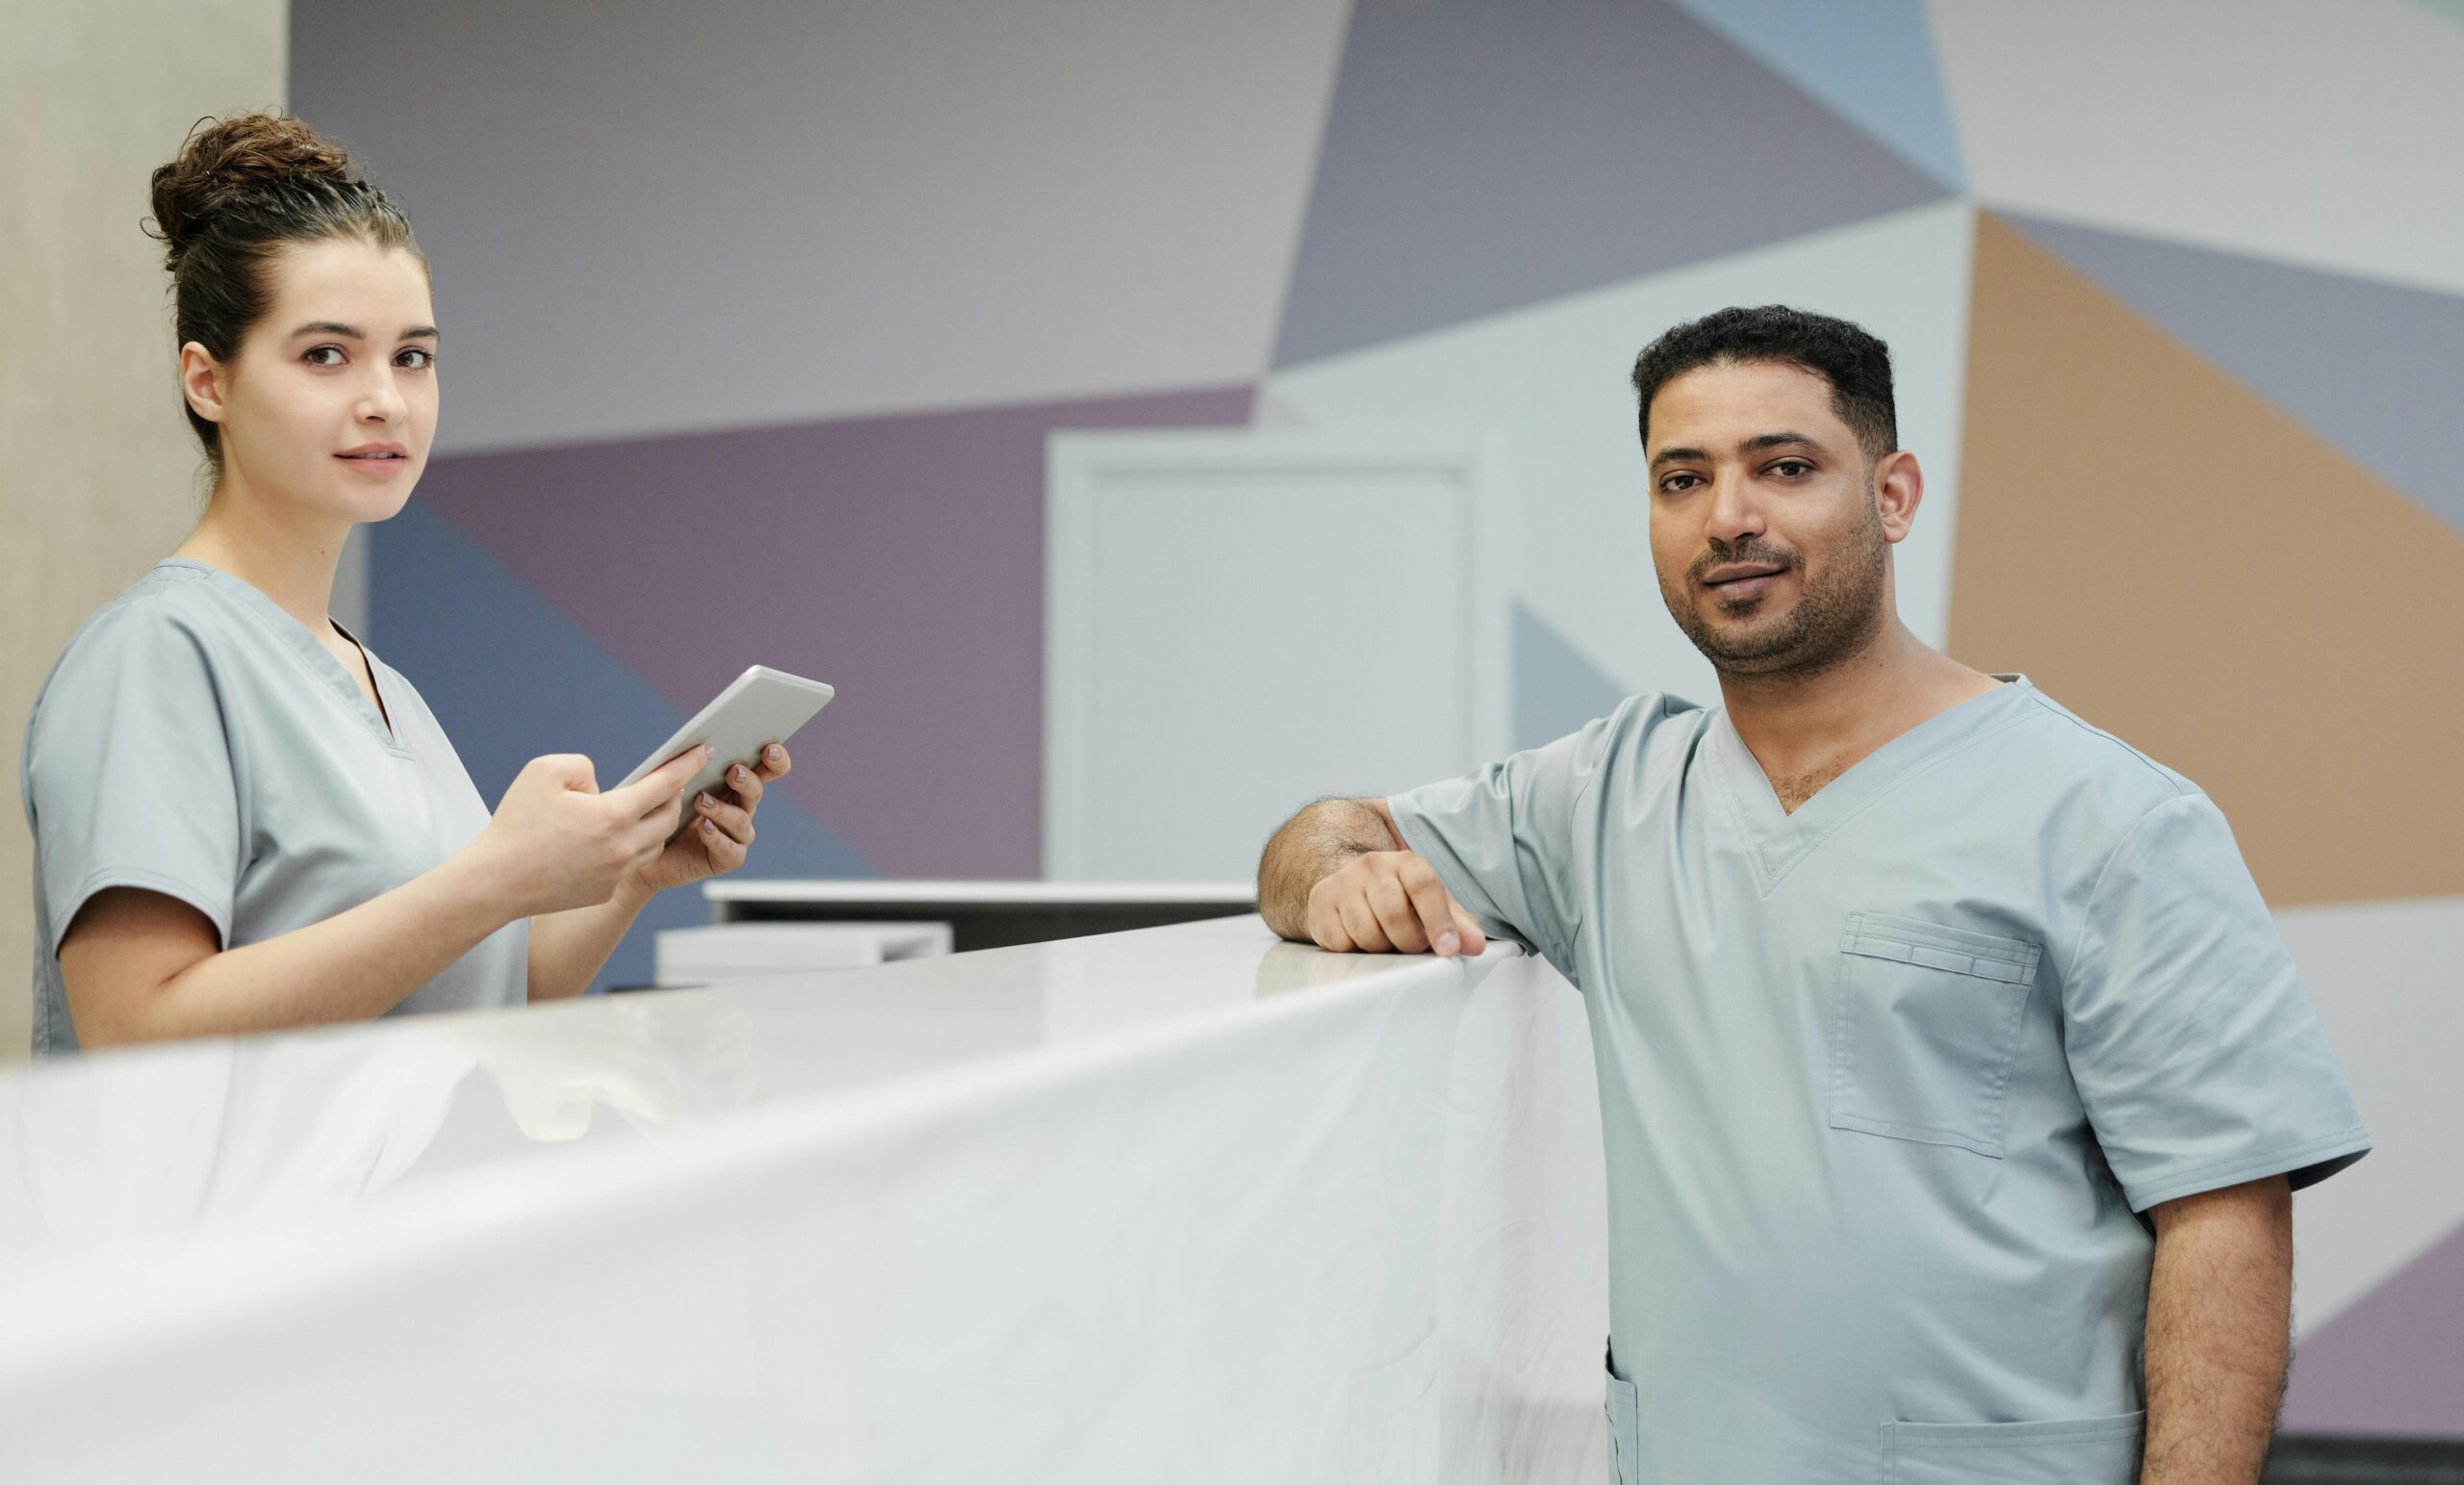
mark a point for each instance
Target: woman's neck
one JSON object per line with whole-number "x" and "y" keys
{"x": 281, "y": 552}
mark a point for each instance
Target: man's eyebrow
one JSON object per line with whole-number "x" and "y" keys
{"x": 1666, "y": 455}
{"x": 1781, "y": 439}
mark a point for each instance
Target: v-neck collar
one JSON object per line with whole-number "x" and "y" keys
{"x": 1776, "y": 840}
{"x": 295, "y": 638}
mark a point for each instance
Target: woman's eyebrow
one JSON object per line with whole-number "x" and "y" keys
{"x": 355, "y": 332}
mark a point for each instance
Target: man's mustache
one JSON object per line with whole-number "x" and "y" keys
{"x": 1750, "y": 550}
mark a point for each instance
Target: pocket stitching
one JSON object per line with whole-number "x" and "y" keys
{"x": 1889, "y": 929}
{"x": 2057, "y": 1433}
{"x": 1992, "y": 1085}
{"x": 2054, "y": 1431}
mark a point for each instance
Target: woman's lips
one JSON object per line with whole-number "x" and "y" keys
{"x": 375, "y": 463}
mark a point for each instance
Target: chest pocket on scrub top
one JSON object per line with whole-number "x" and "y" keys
{"x": 1925, "y": 1019}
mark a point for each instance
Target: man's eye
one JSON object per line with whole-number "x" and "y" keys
{"x": 1676, "y": 484}
{"x": 315, "y": 356}
{"x": 1790, "y": 469}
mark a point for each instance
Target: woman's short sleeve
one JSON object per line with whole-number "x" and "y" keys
{"x": 128, "y": 774}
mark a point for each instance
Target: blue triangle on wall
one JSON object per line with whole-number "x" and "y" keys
{"x": 1556, "y": 689}
{"x": 510, "y": 678}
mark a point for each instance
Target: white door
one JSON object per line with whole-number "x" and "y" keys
{"x": 1238, "y": 623}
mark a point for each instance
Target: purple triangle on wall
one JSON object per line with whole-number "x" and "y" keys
{"x": 900, "y": 559}
{"x": 2394, "y": 1361}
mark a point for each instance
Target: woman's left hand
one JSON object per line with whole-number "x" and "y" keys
{"x": 718, "y": 830}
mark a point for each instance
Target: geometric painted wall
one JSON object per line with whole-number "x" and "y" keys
{"x": 757, "y": 319}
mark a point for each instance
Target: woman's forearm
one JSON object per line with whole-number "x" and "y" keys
{"x": 354, "y": 966}
{"x": 569, "y": 948}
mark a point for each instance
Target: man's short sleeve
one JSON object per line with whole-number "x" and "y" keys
{"x": 1501, "y": 838}
{"x": 128, "y": 773}
{"x": 2194, "y": 1048}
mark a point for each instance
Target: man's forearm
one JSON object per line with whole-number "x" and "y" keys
{"x": 2218, "y": 1312}
{"x": 1312, "y": 845}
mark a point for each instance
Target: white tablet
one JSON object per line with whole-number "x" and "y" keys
{"x": 762, "y": 706}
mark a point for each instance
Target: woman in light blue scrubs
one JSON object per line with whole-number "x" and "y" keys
{"x": 242, "y": 818}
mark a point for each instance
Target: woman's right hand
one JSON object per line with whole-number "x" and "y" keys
{"x": 556, "y": 842}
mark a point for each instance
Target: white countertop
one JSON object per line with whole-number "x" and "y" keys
{"x": 133, "y": 1152}
{"x": 1069, "y": 1211}
{"x": 1037, "y": 893}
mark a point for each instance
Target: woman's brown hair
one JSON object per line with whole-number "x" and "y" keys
{"x": 241, "y": 188}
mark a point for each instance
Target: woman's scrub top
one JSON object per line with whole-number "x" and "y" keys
{"x": 1886, "y": 1083}
{"x": 196, "y": 740}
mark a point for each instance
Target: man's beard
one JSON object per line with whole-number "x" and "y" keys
{"x": 1834, "y": 618}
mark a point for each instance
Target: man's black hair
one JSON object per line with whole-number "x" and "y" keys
{"x": 1855, "y": 364}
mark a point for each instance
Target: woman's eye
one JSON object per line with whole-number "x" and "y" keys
{"x": 416, "y": 359}
{"x": 318, "y": 355}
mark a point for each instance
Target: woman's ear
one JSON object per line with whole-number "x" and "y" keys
{"x": 202, "y": 378}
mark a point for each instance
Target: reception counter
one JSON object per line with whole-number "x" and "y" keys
{"x": 1182, "y": 1203}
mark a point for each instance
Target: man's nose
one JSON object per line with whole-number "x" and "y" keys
{"x": 1734, "y": 513}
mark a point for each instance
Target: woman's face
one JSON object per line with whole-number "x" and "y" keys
{"x": 328, "y": 408}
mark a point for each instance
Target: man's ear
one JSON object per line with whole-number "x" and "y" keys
{"x": 1899, "y": 487}
{"x": 203, "y": 380}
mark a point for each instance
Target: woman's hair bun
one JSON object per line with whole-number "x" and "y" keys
{"x": 224, "y": 159}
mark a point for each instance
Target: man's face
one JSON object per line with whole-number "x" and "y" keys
{"x": 1771, "y": 531}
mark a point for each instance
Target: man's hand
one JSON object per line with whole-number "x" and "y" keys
{"x": 1389, "y": 902}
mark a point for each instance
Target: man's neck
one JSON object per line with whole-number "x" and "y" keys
{"x": 291, "y": 562}
{"x": 1807, "y": 730}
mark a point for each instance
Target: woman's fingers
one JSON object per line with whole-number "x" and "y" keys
{"x": 732, "y": 820}
{"x": 746, "y": 786}
{"x": 725, "y": 852}
{"x": 774, "y": 761}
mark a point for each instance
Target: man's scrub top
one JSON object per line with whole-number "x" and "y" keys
{"x": 196, "y": 740}
{"x": 1885, "y": 1081}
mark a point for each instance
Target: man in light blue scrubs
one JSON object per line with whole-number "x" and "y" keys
{"x": 1953, "y": 1076}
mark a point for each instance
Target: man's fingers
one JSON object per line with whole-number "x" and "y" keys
{"x": 1466, "y": 930}
{"x": 1394, "y": 915}
{"x": 1434, "y": 909}
{"x": 1362, "y": 924}
{"x": 1326, "y": 925}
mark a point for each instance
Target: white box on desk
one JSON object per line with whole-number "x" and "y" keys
{"x": 740, "y": 950}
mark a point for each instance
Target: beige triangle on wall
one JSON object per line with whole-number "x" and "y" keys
{"x": 2180, "y": 563}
